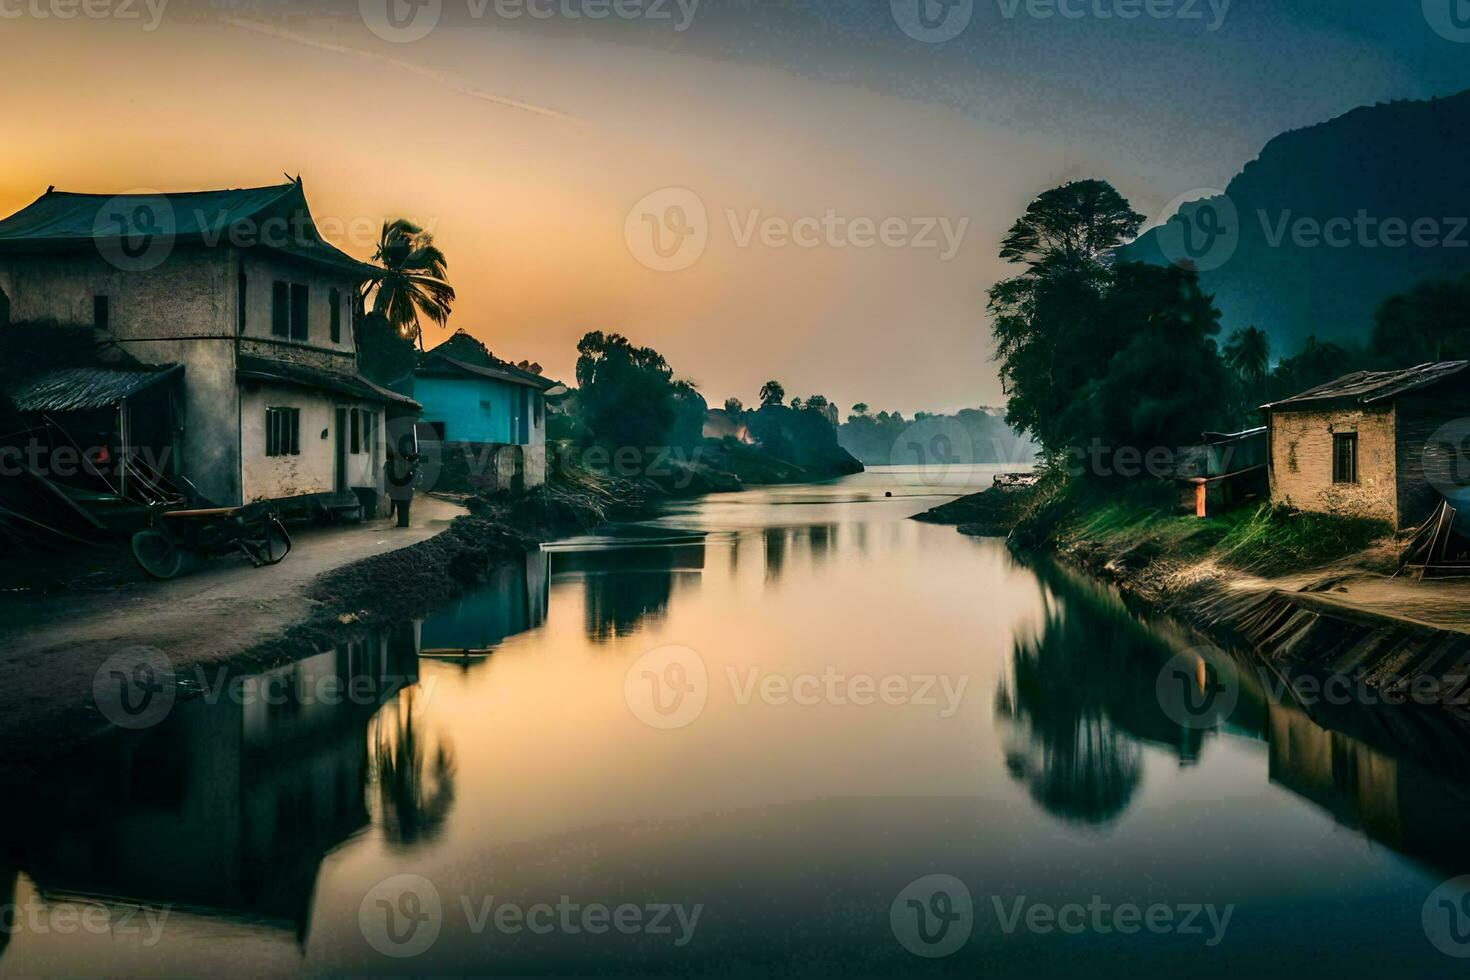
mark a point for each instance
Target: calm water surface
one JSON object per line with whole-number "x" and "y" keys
{"x": 882, "y": 701}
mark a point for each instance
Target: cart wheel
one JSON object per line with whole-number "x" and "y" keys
{"x": 157, "y": 553}
{"x": 277, "y": 542}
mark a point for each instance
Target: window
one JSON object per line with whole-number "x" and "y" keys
{"x": 1344, "y": 457}
{"x": 101, "y": 315}
{"x": 334, "y": 301}
{"x": 356, "y": 425}
{"x": 240, "y": 290}
{"x": 299, "y": 299}
{"x": 280, "y": 309}
{"x": 283, "y": 432}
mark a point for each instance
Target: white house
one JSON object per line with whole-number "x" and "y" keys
{"x": 239, "y": 288}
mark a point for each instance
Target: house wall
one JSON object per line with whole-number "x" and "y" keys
{"x": 179, "y": 312}
{"x": 262, "y": 270}
{"x": 482, "y": 409}
{"x": 1433, "y": 432}
{"x": 185, "y": 310}
{"x": 313, "y": 470}
{"x": 1301, "y": 462}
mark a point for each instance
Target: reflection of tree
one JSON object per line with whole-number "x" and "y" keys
{"x": 1080, "y": 699}
{"x": 8, "y": 911}
{"x": 415, "y": 782}
{"x": 775, "y": 552}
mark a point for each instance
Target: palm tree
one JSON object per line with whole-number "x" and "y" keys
{"x": 1248, "y": 352}
{"x": 410, "y": 281}
{"x": 772, "y": 393}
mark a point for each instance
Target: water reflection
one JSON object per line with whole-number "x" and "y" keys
{"x": 627, "y": 588}
{"x": 512, "y": 601}
{"x": 230, "y": 804}
{"x": 414, "y": 775}
{"x": 1078, "y": 710}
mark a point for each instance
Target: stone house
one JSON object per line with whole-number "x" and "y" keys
{"x": 482, "y": 414}
{"x": 1376, "y": 444}
{"x": 239, "y": 289}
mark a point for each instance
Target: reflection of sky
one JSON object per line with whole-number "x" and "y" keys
{"x": 524, "y": 143}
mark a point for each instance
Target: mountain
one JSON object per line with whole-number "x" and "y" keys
{"x": 1329, "y": 221}
{"x": 973, "y": 435}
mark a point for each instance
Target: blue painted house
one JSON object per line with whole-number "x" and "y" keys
{"x": 470, "y": 397}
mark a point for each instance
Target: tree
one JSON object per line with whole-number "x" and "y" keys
{"x": 1316, "y": 364}
{"x": 384, "y": 354}
{"x": 860, "y": 409}
{"x": 772, "y": 393}
{"x": 627, "y": 394}
{"x": 817, "y": 403}
{"x": 795, "y": 402}
{"x": 734, "y": 406}
{"x": 1044, "y": 318}
{"x": 1248, "y": 352}
{"x": 1431, "y": 322}
{"x": 410, "y": 281}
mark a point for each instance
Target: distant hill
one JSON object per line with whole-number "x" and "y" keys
{"x": 1408, "y": 161}
{"x": 973, "y": 435}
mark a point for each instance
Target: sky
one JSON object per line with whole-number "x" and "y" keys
{"x": 807, "y": 191}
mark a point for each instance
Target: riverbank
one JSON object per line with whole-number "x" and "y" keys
{"x": 337, "y": 583}
{"x": 1303, "y": 592}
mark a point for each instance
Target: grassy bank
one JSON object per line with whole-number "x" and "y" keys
{"x": 1138, "y": 524}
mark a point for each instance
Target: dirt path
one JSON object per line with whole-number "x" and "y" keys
{"x": 54, "y": 645}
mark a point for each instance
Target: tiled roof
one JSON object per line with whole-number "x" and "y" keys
{"x": 1368, "y": 387}
{"x": 61, "y": 220}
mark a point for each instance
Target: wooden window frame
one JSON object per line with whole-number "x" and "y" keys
{"x": 334, "y": 305}
{"x": 300, "y": 311}
{"x": 282, "y": 431}
{"x": 1345, "y": 469}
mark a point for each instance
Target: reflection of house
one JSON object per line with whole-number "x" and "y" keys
{"x": 226, "y": 807}
{"x": 512, "y": 601}
{"x": 1364, "y": 445}
{"x": 492, "y": 411}
{"x": 237, "y": 287}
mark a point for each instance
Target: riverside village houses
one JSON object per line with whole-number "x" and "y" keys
{"x": 233, "y": 298}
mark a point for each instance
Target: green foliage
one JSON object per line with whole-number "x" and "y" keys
{"x": 628, "y": 397}
{"x": 1431, "y": 322}
{"x": 772, "y": 393}
{"x": 384, "y": 354}
{"x": 1317, "y": 363}
{"x": 411, "y": 279}
{"x": 1142, "y": 519}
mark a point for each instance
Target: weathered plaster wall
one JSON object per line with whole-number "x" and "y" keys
{"x": 178, "y": 312}
{"x": 262, "y": 269}
{"x": 314, "y": 469}
{"x": 1301, "y": 462}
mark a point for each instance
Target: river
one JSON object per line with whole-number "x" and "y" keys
{"x": 785, "y": 729}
